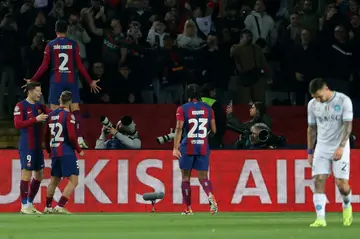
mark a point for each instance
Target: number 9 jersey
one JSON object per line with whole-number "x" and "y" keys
{"x": 60, "y": 136}
{"x": 196, "y": 116}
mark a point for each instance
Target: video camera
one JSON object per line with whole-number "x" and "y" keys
{"x": 265, "y": 138}
{"x": 166, "y": 138}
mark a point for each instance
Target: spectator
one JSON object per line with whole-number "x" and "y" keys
{"x": 40, "y": 26}
{"x": 231, "y": 22}
{"x": 262, "y": 27}
{"x": 171, "y": 74}
{"x": 294, "y": 29}
{"x": 309, "y": 19}
{"x": 156, "y": 34}
{"x": 304, "y": 67}
{"x": 250, "y": 64}
{"x": 339, "y": 60}
{"x": 77, "y": 33}
{"x": 189, "y": 39}
{"x": 9, "y": 60}
{"x": 114, "y": 47}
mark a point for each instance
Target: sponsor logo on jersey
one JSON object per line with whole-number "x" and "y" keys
{"x": 16, "y": 109}
{"x": 329, "y": 118}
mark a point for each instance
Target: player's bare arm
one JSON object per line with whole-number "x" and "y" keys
{"x": 311, "y": 139}
{"x": 177, "y": 138}
{"x": 347, "y": 131}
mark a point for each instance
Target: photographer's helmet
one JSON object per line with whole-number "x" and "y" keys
{"x": 193, "y": 92}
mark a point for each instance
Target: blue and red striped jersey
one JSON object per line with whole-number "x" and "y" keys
{"x": 60, "y": 136}
{"x": 196, "y": 116}
{"x": 31, "y": 131}
{"x": 63, "y": 56}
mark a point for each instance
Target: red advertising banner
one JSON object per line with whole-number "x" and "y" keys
{"x": 252, "y": 181}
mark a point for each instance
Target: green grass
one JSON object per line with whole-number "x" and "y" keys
{"x": 174, "y": 226}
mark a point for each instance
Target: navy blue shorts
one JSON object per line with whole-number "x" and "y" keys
{"x": 32, "y": 160}
{"x": 198, "y": 162}
{"x": 64, "y": 166}
{"x": 56, "y": 88}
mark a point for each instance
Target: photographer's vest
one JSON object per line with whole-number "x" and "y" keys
{"x": 208, "y": 101}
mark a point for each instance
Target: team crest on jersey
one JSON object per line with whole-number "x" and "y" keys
{"x": 337, "y": 108}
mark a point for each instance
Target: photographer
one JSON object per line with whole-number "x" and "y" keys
{"x": 260, "y": 137}
{"x": 257, "y": 114}
{"x": 123, "y": 136}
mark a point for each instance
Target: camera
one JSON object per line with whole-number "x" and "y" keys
{"x": 105, "y": 121}
{"x": 166, "y": 138}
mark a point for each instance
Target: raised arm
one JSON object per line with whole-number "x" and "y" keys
{"x": 44, "y": 65}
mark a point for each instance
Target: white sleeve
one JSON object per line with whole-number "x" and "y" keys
{"x": 132, "y": 143}
{"x": 100, "y": 142}
{"x": 310, "y": 111}
{"x": 347, "y": 110}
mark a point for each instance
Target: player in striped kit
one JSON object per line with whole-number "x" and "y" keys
{"x": 29, "y": 116}
{"x": 60, "y": 143}
{"x": 63, "y": 56}
{"x": 193, "y": 121}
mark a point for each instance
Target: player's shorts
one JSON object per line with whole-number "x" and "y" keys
{"x": 198, "y": 162}
{"x": 323, "y": 163}
{"x": 64, "y": 166}
{"x": 56, "y": 88}
{"x": 32, "y": 160}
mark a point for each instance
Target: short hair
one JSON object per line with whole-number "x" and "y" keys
{"x": 66, "y": 97}
{"x": 61, "y": 26}
{"x": 193, "y": 92}
{"x": 32, "y": 85}
{"x": 316, "y": 84}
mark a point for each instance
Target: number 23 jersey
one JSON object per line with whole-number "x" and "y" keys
{"x": 60, "y": 136}
{"x": 196, "y": 116}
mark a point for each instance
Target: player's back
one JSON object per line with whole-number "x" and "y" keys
{"x": 31, "y": 136}
{"x": 62, "y": 52}
{"x": 197, "y": 117}
{"x": 60, "y": 143}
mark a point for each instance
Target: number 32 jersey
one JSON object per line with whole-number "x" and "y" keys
{"x": 196, "y": 116}
{"x": 60, "y": 136}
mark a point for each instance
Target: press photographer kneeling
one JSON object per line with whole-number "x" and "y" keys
{"x": 255, "y": 133}
{"x": 123, "y": 136}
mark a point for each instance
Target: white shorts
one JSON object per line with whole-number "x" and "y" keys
{"x": 323, "y": 163}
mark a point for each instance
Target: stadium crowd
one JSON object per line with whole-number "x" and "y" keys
{"x": 147, "y": 51}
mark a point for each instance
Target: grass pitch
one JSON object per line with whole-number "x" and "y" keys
{"x": 175, "y": 226}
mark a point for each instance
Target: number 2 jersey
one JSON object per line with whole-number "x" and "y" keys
{"x": 196, "y": 116}
{"x": 63, "y": 56}
{"x": 60, "y": 136}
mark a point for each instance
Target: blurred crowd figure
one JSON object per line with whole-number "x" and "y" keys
{"x": 148, "y": 51}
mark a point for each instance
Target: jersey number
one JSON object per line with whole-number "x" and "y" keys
{"x": 56, "y": 130}
{"x": 200, "y": 125}
{"x": 64, "y": 58}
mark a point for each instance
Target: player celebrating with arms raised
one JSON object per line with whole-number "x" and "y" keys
{"x": 60, "y": 142}
{"x": 29, "y": 115}
{"x": 64, "y": 57}
{"x": 195, "y": 118}
{"x": 330, "y": 116}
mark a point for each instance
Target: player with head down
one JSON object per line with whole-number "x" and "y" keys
{"x": 61, "y": 143}
{"x": 330, "y": 116}
{"x": 63, "y": 57}
{"x": 194, "y": 120}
